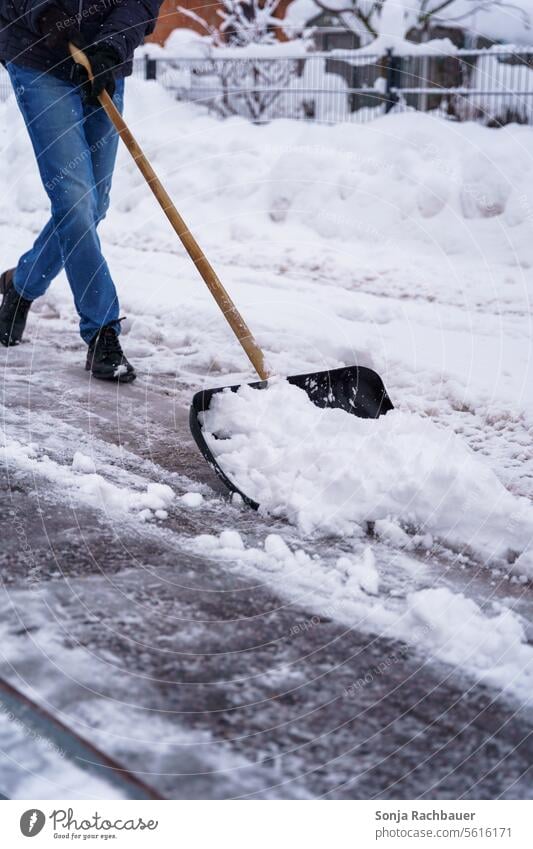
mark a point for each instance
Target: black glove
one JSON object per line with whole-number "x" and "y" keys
{"x": 56, "y": 26}
{"x": 104, "y": 61}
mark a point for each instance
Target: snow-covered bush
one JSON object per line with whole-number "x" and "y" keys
{"x": 247, "y": 87}
{"x": 260, "y": 88}
{"x": 254, "y": 89}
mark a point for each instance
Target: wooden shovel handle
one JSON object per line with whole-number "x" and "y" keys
{"x": 232, "y": 315}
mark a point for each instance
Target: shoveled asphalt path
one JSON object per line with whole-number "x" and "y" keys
{"x": 203, "y": 682}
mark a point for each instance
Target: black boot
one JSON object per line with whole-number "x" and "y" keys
{"x": 13, "y": 312}
{"x": 105, "y": 358}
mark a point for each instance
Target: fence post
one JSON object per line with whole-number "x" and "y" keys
{"x": 391, "y": 80}
{"x": 150, "y": 68}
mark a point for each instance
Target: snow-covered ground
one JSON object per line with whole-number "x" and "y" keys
{"x": 404, "y": 244}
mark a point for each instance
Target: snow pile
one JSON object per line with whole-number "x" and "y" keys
{"x": 330, "y": 472}
{"x": 350, "y": 575}
{"x": 83, "y": 463}
{"x": 81, "y": 482}
{"x": 112, "y": 498}
{"x": 458, "y": 632}
{"x": 103, "y": 494}
{"x": 409, "y": 178}
{"x": 360, "y": 573}
{"x": 274, "y": 556}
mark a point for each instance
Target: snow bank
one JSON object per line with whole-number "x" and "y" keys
{"x": 401, "y": 181}
{"x": 330, "y": 472}
{"x": 402, "y": 177}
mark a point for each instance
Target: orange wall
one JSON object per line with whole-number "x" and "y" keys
{"x": 170, "y": 19}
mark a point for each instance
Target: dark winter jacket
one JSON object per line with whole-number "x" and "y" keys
{"x": 122, "y": 24}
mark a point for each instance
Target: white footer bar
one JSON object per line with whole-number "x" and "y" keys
{"x": 265, "y": 825}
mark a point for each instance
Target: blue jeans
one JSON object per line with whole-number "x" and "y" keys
{"x": 75, "y": 146}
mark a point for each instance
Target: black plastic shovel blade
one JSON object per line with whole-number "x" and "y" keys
{"x": 354, "y": 389}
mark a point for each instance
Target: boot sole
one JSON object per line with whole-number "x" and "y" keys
{"x": 122, "y": 378}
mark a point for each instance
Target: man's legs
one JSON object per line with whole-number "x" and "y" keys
{"x": 102, "y": 139}
{"x": 68, "y": 149}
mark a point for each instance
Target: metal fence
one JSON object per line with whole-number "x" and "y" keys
{"x": 492, "y": 86}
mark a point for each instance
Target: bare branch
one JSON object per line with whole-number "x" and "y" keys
{"x": 487, "y": 5}
{"x": 356, "y": 12}
{"x": 208, "y": 28}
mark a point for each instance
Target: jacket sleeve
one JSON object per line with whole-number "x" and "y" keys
{"x": 26, "y": 12}
{"x": 127, "y": 24}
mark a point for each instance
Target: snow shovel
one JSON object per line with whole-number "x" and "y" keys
{"x": 354, "y": 389}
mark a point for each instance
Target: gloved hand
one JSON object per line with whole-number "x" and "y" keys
{"x": 56, "y": 26}
{"x": 103, "y": 61}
